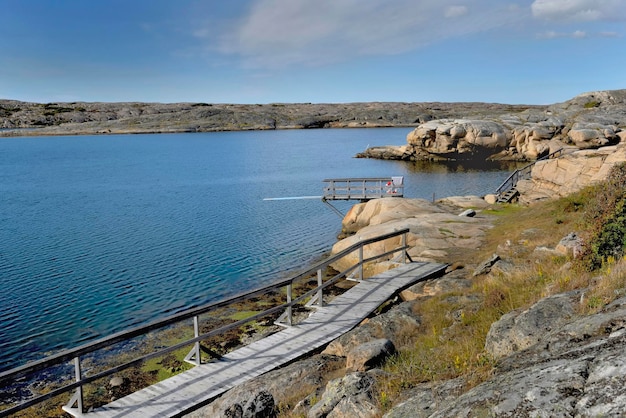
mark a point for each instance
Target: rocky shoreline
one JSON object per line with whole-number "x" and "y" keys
{"x": 588, "y": 121}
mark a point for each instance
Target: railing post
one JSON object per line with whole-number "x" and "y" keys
{"x": 320, "y": 291}
{"x": 195, "y": 350}
{"x": 289, "y": 296}
{"x": 361, "y": 262}
{"x": 77, "y": 397}
{"x": 79, "y": 390}
{"x": 196, "y": 333}
{"x": 404, "y": 248}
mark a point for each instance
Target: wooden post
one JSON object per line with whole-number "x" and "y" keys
{"x": 77, "y": 397}
{"x": 289, "y": 310}
{"x": 403, "y": 248}
{"x": 361, "y": 262}
{"x": 320, "y": 291}
{"x": 196, "y": 346}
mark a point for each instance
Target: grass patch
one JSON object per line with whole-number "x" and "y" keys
{"x": 167, "y": 366}
{"x": 445, "y": 231}
{"x": 591, "y": 104}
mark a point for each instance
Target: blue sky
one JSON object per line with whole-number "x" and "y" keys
{"x": 319, "y": 51}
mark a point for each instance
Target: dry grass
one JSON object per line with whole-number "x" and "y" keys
{"x": 450, "y": 342}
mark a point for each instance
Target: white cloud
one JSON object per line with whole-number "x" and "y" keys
{"x": 579, "y": 10}
{"x": 455, "y": 11}
{"x": 277, "y": 33}
{"x": 609, "y": 34}
{"x": 578, "y": 34}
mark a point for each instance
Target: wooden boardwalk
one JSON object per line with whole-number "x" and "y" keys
{"x": 187, "y": 391}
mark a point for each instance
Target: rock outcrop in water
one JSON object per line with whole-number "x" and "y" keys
{"x": 588, "y": 121}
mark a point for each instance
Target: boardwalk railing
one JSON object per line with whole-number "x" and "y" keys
{"x": 363, "y": 188}
{"x": 314, "y": 298}
{"x": 524, "y": 173}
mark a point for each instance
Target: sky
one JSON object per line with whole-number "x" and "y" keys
{"x": 310, "y": 51}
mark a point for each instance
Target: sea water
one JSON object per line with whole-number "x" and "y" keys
{"x": 101, "y": 233}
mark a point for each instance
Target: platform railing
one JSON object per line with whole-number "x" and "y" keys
{"x": 75, "y": 405}
{"x": 363, "y": 188}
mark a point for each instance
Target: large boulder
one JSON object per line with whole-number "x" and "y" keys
{"x": 460, "y": 138}
{"x": 554, "y": 178}
{"x": 434, "y": 228}
{"x": 392, "y": 325}
{"x": 347, "y": 397}
{"x": 534, "y": 140}
{"x": 380, "y": 211}
{"x": 518, "y": 330}
{"x": 302, "y": 377}
{"x": 369, "y": 355}
{"x": 593, "y": 135}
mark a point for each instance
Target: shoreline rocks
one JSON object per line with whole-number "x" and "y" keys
{"x": 436, "y": 229}
{"x": 554, "y": 178}
{"x": 588, "y": 121}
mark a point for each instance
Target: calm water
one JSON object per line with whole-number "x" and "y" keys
{"x": 101, "y": 233}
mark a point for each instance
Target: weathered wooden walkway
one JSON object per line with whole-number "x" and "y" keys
{"x": 187, "y": 391}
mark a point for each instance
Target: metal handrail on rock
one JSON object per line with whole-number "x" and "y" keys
{"x": 524, "y": 173}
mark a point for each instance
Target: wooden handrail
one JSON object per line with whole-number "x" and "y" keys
{"x": 74, "y": 354}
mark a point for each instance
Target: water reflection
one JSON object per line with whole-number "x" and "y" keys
{"x": 465, "y": 166}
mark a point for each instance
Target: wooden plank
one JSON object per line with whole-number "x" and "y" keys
{"x": 201, "y": 384}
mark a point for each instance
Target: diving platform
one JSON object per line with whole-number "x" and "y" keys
{"x": 363, "y": 189}
{"x": 358, "y": 188}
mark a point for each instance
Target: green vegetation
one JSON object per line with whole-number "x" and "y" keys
{"x": 606, "y": 219}
{"x": 51, "y": 109}
{"x": 591, "y": 104}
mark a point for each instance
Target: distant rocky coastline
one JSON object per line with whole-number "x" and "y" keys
{"x": 80, "y": 118}
{"x": 588, "y": 121}
{"x": 442, "y": 131}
